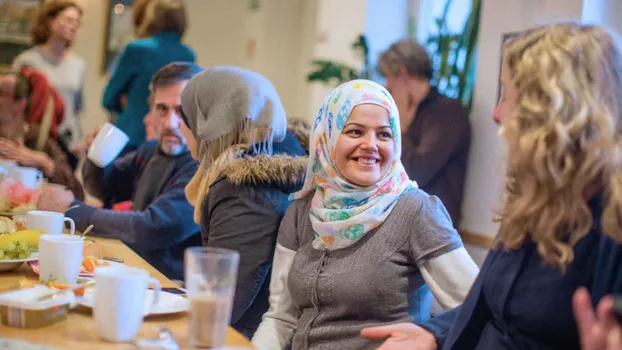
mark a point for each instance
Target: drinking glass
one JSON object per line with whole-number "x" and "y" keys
{"x": 211, "y": 275}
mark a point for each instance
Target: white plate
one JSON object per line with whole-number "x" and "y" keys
{"x": 8, "y": 265}
{"x": 169, "y": 303}
{"x": 84, "y": 273}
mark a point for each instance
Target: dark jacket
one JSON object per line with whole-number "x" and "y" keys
{"x": 435, "y": 148}
{"x": 136, "y": 65}
{"x": 517, "y": 302}
{"x": 163, "y": 229}
{"x": 242, "y": 211}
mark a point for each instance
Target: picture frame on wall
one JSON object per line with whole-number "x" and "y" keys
{"x": 16, "y": 20}
{"x": 118, "y": 32}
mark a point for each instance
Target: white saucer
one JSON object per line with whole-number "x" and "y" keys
{"x": 168, "y": 303}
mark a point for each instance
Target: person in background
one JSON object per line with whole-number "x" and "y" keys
{"x": 42, "y": 94}
{"x": 139, "y": 9}
{"x": 561, "y": 115}
{"x": 361, "y": 245}
{"x": 236, "y": 127}
{"x": 53, "y": 32}
{"x": 153, "y": 177}
{"x": 436, "y": 129}
{"x": 160, "y": 43}
{"x": 18, "y": 139}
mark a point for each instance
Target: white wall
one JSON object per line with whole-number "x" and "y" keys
{"x": 603, "y": 12}
{"x": 484, "y": 177}
{"x": 337, "y": 25}
{"x": 384, "y": 25}
{"x": 219, "y": 32}
{"x": 89, "y": 45}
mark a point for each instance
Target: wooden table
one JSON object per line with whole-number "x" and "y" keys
{"x": 79, "y": 330}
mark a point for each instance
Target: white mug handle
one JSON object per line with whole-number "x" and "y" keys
{"x": 72, "y": 225}
{"x": 156, "y": 294}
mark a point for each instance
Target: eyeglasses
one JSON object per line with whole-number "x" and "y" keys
{"x": 70, "y": 21}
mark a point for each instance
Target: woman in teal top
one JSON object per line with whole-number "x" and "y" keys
{"x": 159, "y": 44}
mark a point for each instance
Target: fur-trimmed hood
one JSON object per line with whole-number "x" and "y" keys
{"x": 284, "y": 171}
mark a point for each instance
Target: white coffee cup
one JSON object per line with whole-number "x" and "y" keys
{"x": 119, "y": 301}
{"x": 107, "y": 145}
{"x": 29, "y": 177}
{"x": 8, "y": 163}
{"x": 49, "y": 222}
{"x": 7, "y": 168}
{"x": 60, "y": 258}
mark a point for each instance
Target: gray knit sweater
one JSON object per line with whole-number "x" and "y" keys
{"x": 376, "y": 281}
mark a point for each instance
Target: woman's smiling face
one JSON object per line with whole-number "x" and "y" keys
{"x": 366, "y": 147}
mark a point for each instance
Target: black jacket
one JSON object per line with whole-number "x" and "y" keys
{"x": 517, "y": 302}
{"x": 242, "y": 211}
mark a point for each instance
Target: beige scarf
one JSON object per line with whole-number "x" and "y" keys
{"x": 197, "y": 189}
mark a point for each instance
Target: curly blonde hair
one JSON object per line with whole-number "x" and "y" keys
{"x": 565, "y": 138}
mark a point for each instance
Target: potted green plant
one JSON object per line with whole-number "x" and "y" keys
{"x": 454, "y": 55}
{"x": 331, "y": 72}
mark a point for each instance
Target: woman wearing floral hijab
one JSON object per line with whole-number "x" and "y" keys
{"x": 360, "y": 243}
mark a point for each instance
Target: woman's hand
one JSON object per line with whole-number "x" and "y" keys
{"x": 598, "y": 329}
{"x": 55, "y": 198}
{"x": 88, "y": 140}
{"x": 401, "y": 336}
{"x": 79, "y": 149}
{"x": 26, "y": 157}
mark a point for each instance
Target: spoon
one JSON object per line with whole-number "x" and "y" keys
{"x": 88, "y": 229}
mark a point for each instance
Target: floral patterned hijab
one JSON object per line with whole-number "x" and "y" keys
{"x": 341, "y": 212}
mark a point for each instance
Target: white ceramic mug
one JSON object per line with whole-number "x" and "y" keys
{"x": 49, "y": 222}
{"x": 60, "y": 258}
{"x": 7, "y": 163}
{"x": 29, "y": 177}
{"x": 107, "y": 145}
{"x": 7, "y": 168}
{"x": 119, "y": 301}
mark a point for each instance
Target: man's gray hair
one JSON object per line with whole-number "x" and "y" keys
{"x": 409, "y": 54}
{"x": 174, "y": 73}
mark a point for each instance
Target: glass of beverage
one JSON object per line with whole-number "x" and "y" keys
{"x": 211, "y": 275}
{"x": 21, "y": 222}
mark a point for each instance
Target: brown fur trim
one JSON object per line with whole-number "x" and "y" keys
{"x": 302, "y": 130}
{"x": 280, "y": 170}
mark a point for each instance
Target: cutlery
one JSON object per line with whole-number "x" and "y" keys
{"x": 88, "y": 229}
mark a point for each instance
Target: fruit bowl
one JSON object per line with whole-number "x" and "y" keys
{"x": 9, "y": 265}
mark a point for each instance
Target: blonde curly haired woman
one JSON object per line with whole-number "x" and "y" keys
{"x": 562, "y": 221}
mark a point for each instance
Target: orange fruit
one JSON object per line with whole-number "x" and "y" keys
{"x": 90, "y": 263}
{"x": 59, "y": 286}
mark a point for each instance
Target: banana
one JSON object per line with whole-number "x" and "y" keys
{"x": 31, "y": 237}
